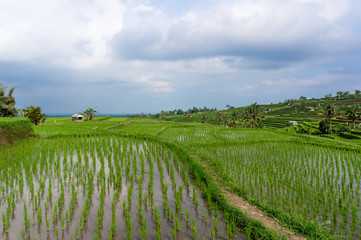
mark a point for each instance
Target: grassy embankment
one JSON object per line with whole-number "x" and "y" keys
{"x": 13, "y": 129}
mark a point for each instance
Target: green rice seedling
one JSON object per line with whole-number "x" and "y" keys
{"x": 62, "y": 221}
{"x": 216, "y": 222}
{"x": 194, "y": 229}
{"x": 173, "y": 230}
{"x": 57, "y": 233}
{"x": 47, "y": 224}
{"x": 39, "y": 215}
{"x": 178, "y": 224}
{"x": 187, "y": 215}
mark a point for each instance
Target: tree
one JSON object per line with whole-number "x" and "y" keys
{"x": 203, "y": 119}
{"x": 229, "y": 107}
{"x": 352, "y": 114}
{"x": 330, "y": 111}
{"x": 89, "y": 113}
{"x": 252, "y": 113}
{"x": 329, "y": 95}
{"x": 303, "y": 99}
{"x": 7, "y": 102}
{"x": 339, "y": 94}
{"x": 294, "y": 103}
{"x": 324, "y": 126}
{"x": 34, "y": 114}
{"x": 220, "y": 118}
{"x": 357, "y": 92}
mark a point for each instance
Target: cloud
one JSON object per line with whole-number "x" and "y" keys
{"x": 156, "y": 84}
{"x": 260, "y": 31}
{"x": 68, "y": 33}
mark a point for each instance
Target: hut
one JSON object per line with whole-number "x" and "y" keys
{"x": 77, "y": 117}
{"x": 292, "y": 123}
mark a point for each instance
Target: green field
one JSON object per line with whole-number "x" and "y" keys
{"x": 143, "y": 178}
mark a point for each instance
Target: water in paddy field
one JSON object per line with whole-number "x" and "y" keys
{"x": 101, "y": 188}
{"x": 310, "y": 182}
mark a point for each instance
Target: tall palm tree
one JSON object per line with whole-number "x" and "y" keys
{"x": 330, "y": 111}
{"x": 353, "y": 113}
{"x": 220, "y": 117}
{"x": 234, "y": 116}
{"x": 252, "y": 113}
{"x": 294, "y": 103}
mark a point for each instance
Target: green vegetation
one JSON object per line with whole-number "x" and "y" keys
{"x": 7, "y": 102}
{"x": 142, "y": 177}
{"x": 34, "y": 114}
{"x": 12, "y": 129}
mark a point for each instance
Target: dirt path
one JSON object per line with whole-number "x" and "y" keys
{"x": 255, "y": 213}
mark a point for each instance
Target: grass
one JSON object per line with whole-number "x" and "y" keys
{"x": 12, "y": 129}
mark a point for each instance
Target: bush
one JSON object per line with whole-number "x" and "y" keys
{"x": 349, "y": 136}
{"x": 12, "y": 129}
{"x": 34, "y": 114}
{"x": 324, "y": 126}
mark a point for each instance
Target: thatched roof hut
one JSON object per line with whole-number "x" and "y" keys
{"x": 77, "y": 117}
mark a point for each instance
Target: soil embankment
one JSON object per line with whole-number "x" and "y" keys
{"x": 257, "y": 214}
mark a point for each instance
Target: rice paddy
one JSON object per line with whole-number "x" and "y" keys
{"x": 116, "y": 178}
{"x": 307, "y": 182}
{"x": 102, "y": 187}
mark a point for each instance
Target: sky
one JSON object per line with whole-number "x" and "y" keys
{"x": 133, "y": 56}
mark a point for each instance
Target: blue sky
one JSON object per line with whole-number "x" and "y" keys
{"x": 147, "y": 56}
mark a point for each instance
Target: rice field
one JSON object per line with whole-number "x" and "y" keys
{"x": 104, "y": 180}
{"x": 305, "y": 181}
{"x": 103, "y": 187}
{"x": 191, "y": 135}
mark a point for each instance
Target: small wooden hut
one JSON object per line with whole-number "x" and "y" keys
{"x": 77, "y": 117}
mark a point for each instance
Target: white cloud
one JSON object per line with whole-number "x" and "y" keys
{"x": 319, "y": 80}
{"x": 71, "y": 33}
{"x": 155, "y": 84}
{"x": 280, "y": 30}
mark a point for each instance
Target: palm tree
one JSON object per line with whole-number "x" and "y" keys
{"x": 90, "y": 113}
{"x": 234, "y": 116}
{"x": 330, "y": 111}
{"x": 220, "y": 117}
{"x": 252, "y": 113}
{"x": 352, "y": 114}
{"x": 203, "y": 119}
{"x": 295, "y": 103}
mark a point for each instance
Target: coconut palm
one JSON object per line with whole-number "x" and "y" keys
{"x": 252, "y": 113}
{"x": 353, "y": 113}
{"x": 294, "y": 103}
{"x": 220, "y": 117}
{"x": 330, "y": 111}
{"x": 89, "y": 113}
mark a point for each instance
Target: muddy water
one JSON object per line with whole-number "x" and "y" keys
{"x": 68, "y": 166}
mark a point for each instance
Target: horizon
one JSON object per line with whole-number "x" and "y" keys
{"x": 153, "y": 55}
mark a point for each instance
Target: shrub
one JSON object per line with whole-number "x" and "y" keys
{"x": 12, "y": 129}
{"x": 324, "y": 126}
{"x": 34, "y": 114}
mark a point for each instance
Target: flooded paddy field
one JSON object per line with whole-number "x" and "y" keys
{"x": 103, "y": 187}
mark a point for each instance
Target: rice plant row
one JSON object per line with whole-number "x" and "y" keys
{"x": 108, "y": 187}
{"x": 309, "y": 182}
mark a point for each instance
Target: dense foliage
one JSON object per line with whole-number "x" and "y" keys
{"x": 7, "y": 102}
{"x": 12, "y": 129}
{"x": 34, "y": 114}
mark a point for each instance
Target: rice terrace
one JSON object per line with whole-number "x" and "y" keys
{"x": 145, "y": 178}
{"x": 180, "y": 120}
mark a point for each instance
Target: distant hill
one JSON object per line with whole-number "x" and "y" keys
{"x": 278, "y": 115}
